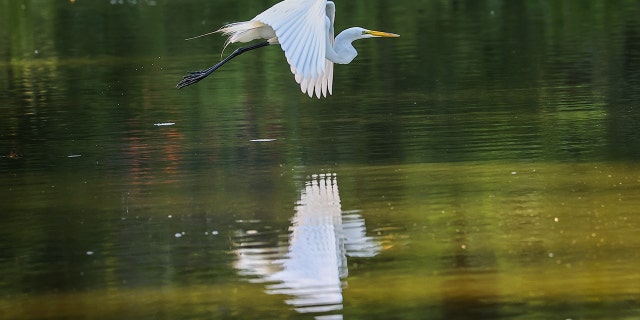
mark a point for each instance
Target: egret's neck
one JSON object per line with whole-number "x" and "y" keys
{"x": 342, "y": 51}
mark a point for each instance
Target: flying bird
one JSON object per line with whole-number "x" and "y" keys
{"x": 304, "y": 31}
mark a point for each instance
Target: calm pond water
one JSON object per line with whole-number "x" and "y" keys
{"x": 484, "y": 165}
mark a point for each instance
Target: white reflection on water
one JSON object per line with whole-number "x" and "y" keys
{"x": 312, "y": 264}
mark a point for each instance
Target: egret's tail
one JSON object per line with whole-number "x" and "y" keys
{"x": 246, "y": 31}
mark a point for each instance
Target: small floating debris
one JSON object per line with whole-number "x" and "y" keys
{"x": 74, "y": 156}
{"x": 262, "y": 140}
{"x": 164, "y": 124}
{"x": 89, "y": 253}
{"x": 249, "y": 221}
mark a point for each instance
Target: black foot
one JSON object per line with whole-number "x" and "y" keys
{"x": 192, "y": 78}
{"x": 196, "y": 76}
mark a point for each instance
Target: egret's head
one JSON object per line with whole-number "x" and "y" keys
{"x": 375, "y": 34}
{"x": 355, "y": 33}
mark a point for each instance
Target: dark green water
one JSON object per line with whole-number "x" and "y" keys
{"x": 484, "y": 165}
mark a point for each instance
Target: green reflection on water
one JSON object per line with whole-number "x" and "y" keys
{"x": 489, "y": 238}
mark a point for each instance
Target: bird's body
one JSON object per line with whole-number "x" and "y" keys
{"x": 304, "y": 30}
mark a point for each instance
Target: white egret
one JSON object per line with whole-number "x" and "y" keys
{"x": 304, "y": 30}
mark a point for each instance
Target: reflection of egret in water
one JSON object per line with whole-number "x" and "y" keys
{"x": 311, "y": 268}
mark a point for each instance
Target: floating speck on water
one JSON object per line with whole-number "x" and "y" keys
{"x": 550, "y": 254}
{"x": 74, "y": 156}
{"x": 214, "y": 232}
{"x": 248, "y": 221}
{"x": 169, "y": 216}
{"x": 262, "y": 140}
{"x": 89, "y": 253}
{"x": 178, "y": 235}
{"x": 162, "y": 124}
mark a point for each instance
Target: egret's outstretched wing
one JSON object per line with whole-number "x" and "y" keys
{"x": 324, "y": 82}
{"x": 301, "y": 28}
{"x": 327, "y": 81}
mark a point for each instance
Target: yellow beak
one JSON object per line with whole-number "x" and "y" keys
{"x": 381, "y": 34}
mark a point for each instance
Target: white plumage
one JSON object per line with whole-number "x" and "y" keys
{"x": 304, "y": 30}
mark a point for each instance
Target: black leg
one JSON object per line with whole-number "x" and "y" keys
{"x": 196, "y": 76}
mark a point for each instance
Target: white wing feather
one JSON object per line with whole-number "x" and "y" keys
{"x": 301, "y": 28}
{"x": 327, "y": 81}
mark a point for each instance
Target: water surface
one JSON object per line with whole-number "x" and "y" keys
{"x": 483, "y": 165}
